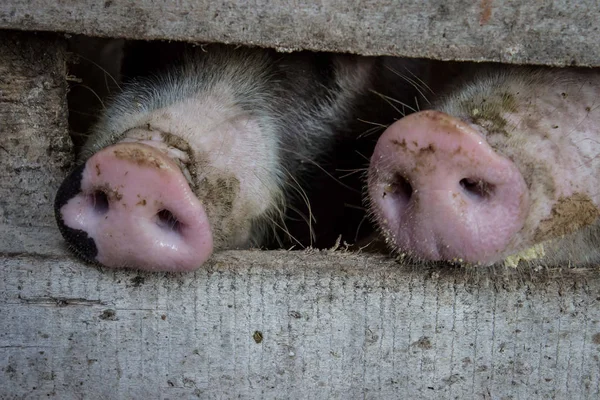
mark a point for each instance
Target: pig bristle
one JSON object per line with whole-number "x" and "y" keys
{"x": 415, "y": 81}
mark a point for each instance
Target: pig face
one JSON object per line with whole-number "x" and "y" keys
{"x": 503, "y": 168}
{"x": 201, "y": 156}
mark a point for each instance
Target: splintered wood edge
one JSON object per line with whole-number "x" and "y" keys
{"x": 294, "y": 263}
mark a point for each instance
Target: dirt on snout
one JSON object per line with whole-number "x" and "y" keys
{"x": 140, "y": 157}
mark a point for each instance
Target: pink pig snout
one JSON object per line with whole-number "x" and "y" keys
{"x": 440, "y": 192}
{"x": 130, "y": 206}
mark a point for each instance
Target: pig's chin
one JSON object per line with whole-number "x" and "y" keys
{"x": 438, "y": 254}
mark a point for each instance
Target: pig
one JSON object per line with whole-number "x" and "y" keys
{"x": 207, "y": 152}
{"x": 503, "y": 168}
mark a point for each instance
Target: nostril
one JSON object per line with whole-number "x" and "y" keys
{"x": 400, "y": 188}
{"x": 166, "y": 220}
{"x": 99, "y": 201}
{"x": 477, "y": 188}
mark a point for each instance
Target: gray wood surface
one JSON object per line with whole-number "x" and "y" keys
{"x": 556, "y": 32}
{"x": 297, "y": 325}
{"x": 35, "y": 149}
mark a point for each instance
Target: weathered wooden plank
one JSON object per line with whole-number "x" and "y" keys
{"x": 557, "y": 32}
{"x": 333, "y": 325}
{"x": 35, "y": 149}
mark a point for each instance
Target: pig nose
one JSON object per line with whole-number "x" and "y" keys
{"x": 440, "y": 192}
{"x": 130, "y": 206}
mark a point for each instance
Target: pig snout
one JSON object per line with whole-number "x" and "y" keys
{"x": 439, "y": 192}
{"x": 130, "y": 206}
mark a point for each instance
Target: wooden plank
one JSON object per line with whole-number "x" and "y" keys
{"x": 557, "y": 32}
{"x": 297, "y": 325}
{"x": 35, "y": 149}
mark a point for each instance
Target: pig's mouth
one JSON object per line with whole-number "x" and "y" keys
{"x": 176, "y": 148}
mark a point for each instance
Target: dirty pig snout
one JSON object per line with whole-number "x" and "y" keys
{"x": 440, "y": 192}
{"x": 130, "y": 206}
